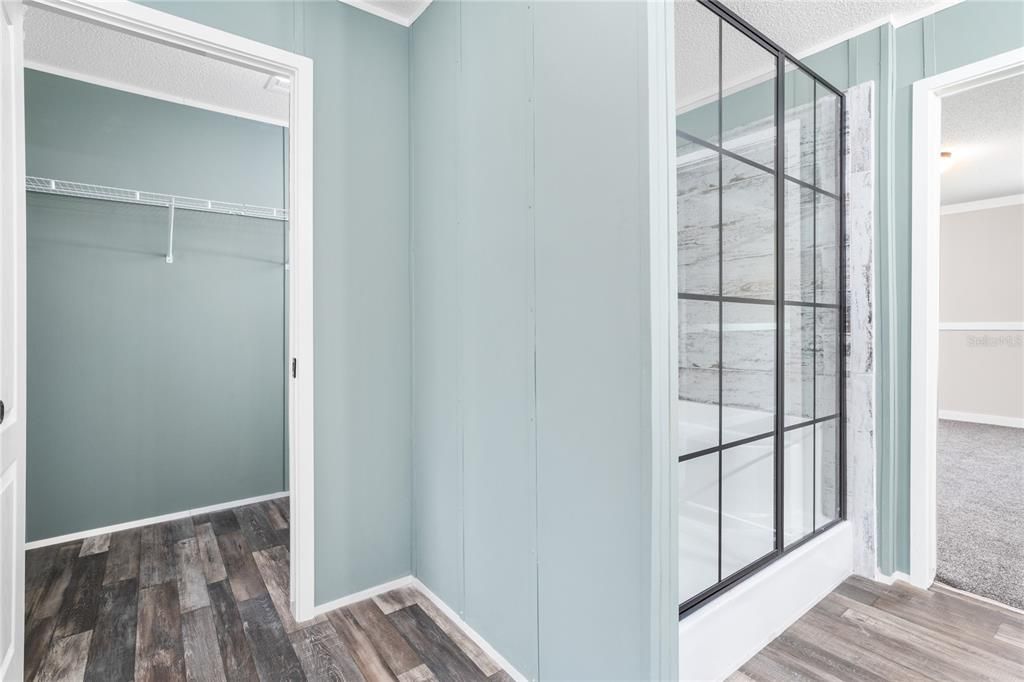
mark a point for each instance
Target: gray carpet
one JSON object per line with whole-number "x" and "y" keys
{"x": 980, "y": 507}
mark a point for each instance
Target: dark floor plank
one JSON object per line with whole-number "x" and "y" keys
{"x": 202, "y": 653}
{"x": 323, "y": 655}
{"x": 436, "y": 649}
{"x": 271, "y": 649}
{"x": 180, "y": 529}
{"x": 82, "y": 597}
{"x": 393, "y": 600}
{"x": 500, "y": 676}
{"x": 256, "y": 526}
{"x": 159, "y": 652}
{"x": 234, "y": 647}
{"x": 38, "y": 634}
{"x": 192, "y": 592}
{"x": 95, "y": 544}
{"x": 112, "y": 649}
{"x": 468, "y": 647}
{"x": 423, "y": 673}
{"x": 209, "y": 554}
{"x": 123, "y": 556}
{"x": 391, "y": 645}
{"x": 370, "y": 663}
{"x": 200, "y": 519}
{"x": 39, "y": 564}
{"x": 243, "y": 576}
{"x": 272, "y": 511}
{"x": 273, "y": 565}
{"x": 65, "y": 660}
{"x": 283, "y": 505}
{"x": 47, "y": 604}
{"x": 224, "y": 522}
{"x": 156, "y": 555}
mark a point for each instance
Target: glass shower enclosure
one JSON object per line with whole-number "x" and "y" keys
{"x": 759, "y": 147}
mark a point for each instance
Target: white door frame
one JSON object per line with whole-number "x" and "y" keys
{"x": 152, "y": 24}
{"x": 924, "y": 310}
{"x": 12, "y": 340}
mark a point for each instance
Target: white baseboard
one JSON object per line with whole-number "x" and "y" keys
{"x": 173, "y": 516}
{"x": 369, "y": 592}
{"x": 890, "y": 579}
{"x": 993, "y": 419}
{"x": 470, "y": 632}
{"x": 717, "y": 639}
{"x": 410, "y": 581}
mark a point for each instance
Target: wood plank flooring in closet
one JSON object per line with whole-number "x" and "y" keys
{"x": 206, "y": 598}
{"x": 866, "y": 631}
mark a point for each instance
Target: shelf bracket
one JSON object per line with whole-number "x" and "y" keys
{"x": 170, "y": 231}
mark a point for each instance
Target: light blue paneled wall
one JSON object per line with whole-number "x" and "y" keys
{"x": 895, "y": 59}
{"x": 531, "y": 470}
{"x": 154, "y": 388}
{"x": 361, "y": 276}
{"x": 593, "y": 348}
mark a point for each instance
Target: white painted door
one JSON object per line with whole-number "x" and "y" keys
{"x": 12, "y": 342}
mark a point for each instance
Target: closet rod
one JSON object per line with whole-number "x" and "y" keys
{"x": 134, "y": 196}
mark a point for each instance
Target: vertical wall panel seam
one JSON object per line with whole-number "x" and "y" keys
{"x": 459, "y": 378}
{"x": 532, "y": 213}
{"x": 413, "y": 569}
{"x": 928, "y": 44}
{"x": 851, "y": 61}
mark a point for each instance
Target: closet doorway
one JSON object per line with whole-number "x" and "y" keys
{"x": 167, "y": 240}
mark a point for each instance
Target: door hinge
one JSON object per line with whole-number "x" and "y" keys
{"x": 295, "y": 367}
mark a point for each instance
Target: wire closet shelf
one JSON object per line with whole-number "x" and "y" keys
{"x": 133, "y": 196}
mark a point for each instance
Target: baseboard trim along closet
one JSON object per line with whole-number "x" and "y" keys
{"x": 993, "y": 419}
{"x": 470, "y": 632}
{"x": 369, "y": 592}
{"x": 410, "y": 581}
{"x": 71, "y": 537}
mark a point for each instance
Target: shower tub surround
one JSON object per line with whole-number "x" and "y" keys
{"x": 716, "y": 639}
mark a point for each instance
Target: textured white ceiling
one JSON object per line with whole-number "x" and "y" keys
{"x": 984, "y": 129}
{"x": 68, "y": 46}
{"x": 801, "y": 27}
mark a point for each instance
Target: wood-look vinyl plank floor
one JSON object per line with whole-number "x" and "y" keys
{"x": 206, "y": 598}
{"x": 866, "y": 630}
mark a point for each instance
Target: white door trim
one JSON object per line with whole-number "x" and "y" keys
{"x": 12, "y": 336}
{"x": 924, "y": 309}
{"x": 152, "y": 24}
{"x": 663, "y": 372}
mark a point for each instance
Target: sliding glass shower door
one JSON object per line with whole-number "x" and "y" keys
{"x": 759, "y": 301}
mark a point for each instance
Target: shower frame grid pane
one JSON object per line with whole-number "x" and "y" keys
{"x": 781, "y": 428}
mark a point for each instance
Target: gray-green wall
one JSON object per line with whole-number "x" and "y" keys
{"x": 154, "y": 388}
{"x": 895, "y": 59}
{"x": 531, "y": 495}
{"x": 361, "y": 276}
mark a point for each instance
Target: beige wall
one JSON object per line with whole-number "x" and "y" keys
{"x": 981, "y": 273}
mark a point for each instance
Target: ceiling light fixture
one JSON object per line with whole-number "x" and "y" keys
{"x": 945, "y": 161}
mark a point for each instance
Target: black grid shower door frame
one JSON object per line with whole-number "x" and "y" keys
{"x": 780, "y": 548}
